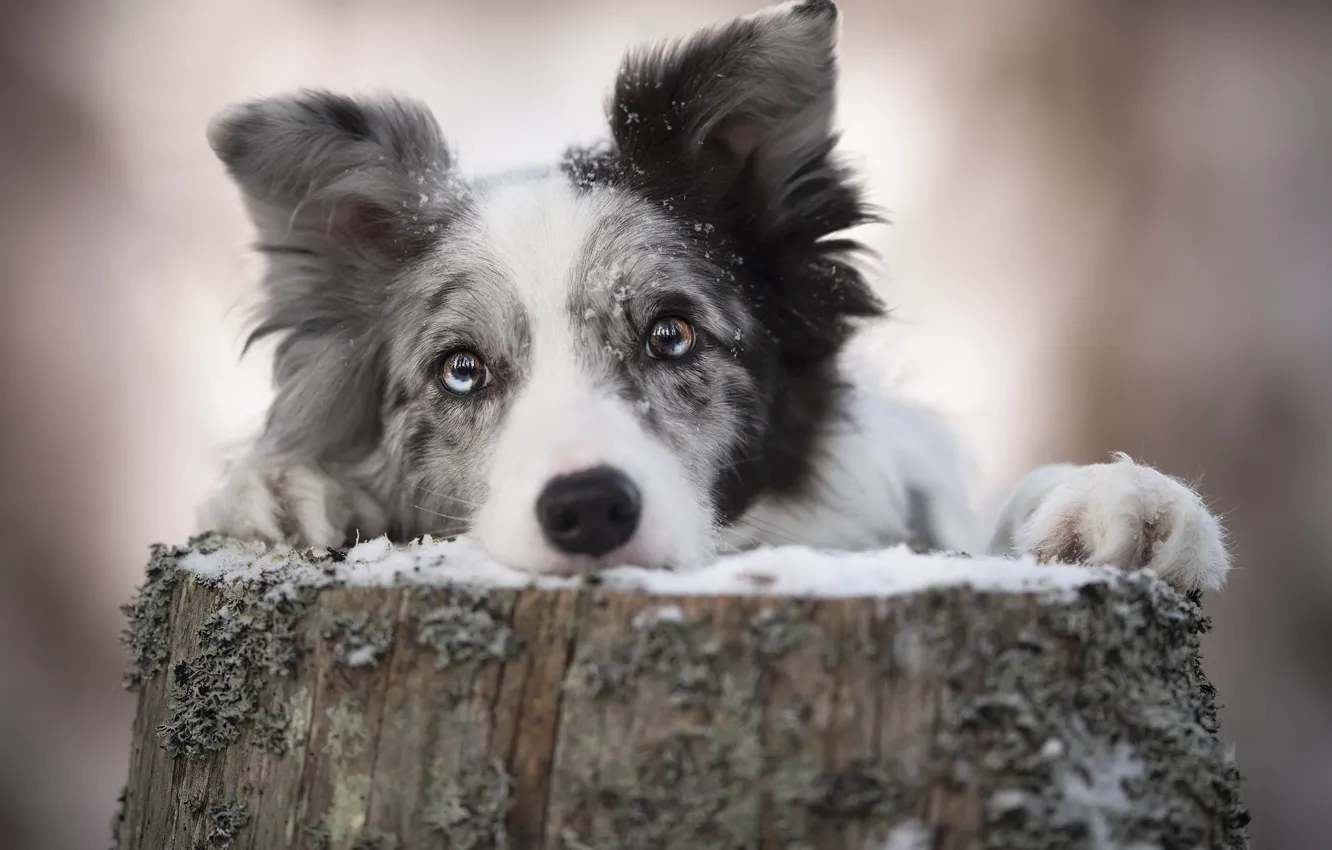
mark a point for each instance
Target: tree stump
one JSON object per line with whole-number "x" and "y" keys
{"x": 400, "y": 698}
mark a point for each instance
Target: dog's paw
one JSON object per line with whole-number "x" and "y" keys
{"x": 1129, "y": 516}
{"x": 272, "y": 500}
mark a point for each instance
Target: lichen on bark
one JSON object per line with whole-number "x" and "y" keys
{"x": 148, "y": 616}
{"x": 357, "y": 639}
{"x": 603, "y": 720}
{"x": 470, "y": 809}
{"x": 246, "y": 641}
{"x": 1135, "y": 760}
{"x": 466, "y": 630}
{"x": 223, "y": 821}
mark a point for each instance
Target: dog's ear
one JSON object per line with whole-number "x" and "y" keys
{"x": 326, "y": 173}
{"x": 746, "y": 109}
{"x": 343, "y": 193}
{"x": 740, "y": 119}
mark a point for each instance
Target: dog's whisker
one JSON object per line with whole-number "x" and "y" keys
{"x": 768, "y": 530}
{"x": 746, "y": 541}
{"x": 733, "y": 464}
{"x": 439, "y": 495}
{"x": 442, "y": 515}
{"x": 780, "y": 531}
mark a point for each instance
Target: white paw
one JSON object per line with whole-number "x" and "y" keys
{"x": 261, "y": 497}
{"x": 1129, "y": 516}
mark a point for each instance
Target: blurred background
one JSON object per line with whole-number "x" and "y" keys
{"x": 1112, "y": 230}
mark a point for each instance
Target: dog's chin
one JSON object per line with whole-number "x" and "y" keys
{"x": 665, "y": 540}
{"x": 557, "y": 564}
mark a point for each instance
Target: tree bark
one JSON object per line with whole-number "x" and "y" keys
{"x": 274, "y": 715}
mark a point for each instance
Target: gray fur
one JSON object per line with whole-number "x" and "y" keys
{"x": 342, "y": 194}
{"x": 379, "y": 264}
{"x": 719, "y": 200}
{"x": 635, "y": 265}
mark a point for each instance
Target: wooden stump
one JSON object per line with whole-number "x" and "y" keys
{"x": 278, "y": 711}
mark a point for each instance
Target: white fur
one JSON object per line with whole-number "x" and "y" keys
{"x": 884, "y": 473}
{"x": 567, "y": 417}
{"x": 555, "y": 429}
{"x": 259, "y": 493}
{"x": 1120, "y": 514}
{"x": 243, "y": 505}
{"x": 865, "y": 467}
{"x": 1109, "y": 512}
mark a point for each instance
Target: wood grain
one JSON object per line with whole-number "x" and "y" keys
{"x": 461, "y": 717}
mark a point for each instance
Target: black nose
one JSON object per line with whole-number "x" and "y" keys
{"x": 591, "y": 512}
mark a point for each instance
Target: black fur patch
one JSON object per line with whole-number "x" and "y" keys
{"x": 776, "y": 215}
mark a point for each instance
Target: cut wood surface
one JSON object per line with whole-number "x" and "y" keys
{"x": 281, "y": 706}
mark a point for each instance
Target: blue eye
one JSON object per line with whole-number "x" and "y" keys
{"x": 463, "y": 372}
{"x": 670, "y": 338}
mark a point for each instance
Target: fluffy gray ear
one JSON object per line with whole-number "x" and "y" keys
{"x": 321, "y": 171}
{"x": 749, "y": 102}
{"x": 342, "y": 192}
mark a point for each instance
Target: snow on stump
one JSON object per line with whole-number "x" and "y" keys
{"x": 419, "y": 697}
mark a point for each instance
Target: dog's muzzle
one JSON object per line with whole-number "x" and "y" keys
{"x": 592, "y": 512}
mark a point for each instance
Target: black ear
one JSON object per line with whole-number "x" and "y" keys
{"x": 739, "y": 118}
{"x": 746, "y": 111}
{"x": 343, "y": 193}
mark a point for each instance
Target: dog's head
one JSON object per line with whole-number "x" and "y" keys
{"x": 594, "y": 363}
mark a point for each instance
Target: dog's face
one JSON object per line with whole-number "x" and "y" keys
{"x": 594, "y": 363}
{"x": 565, "y": 360}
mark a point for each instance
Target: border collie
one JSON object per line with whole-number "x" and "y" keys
{"x": 632, "y": 356}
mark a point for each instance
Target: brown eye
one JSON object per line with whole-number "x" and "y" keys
{"x": 670, "y": 338}
{"x": 463, "y": 372}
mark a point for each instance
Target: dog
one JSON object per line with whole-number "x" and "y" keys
{"x": 633, "y": 356}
